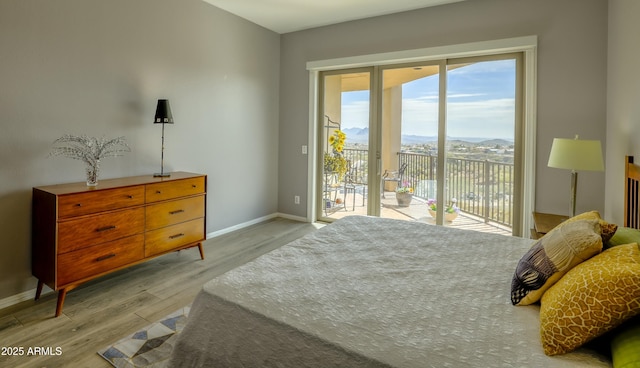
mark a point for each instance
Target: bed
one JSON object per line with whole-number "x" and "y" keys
{"x": 371, "y": 292}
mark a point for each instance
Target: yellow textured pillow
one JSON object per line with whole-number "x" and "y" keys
{"x": 591, "y": 299}
{"x": 552, "y": 256}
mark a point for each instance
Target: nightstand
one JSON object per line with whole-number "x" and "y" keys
{"x": 544, "y": 222}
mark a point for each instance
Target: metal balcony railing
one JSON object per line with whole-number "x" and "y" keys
{"x": 482, "y": 188}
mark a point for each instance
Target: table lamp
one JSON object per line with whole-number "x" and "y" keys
{"x": 576, "y": 155}
{"x": 163, "y": 116}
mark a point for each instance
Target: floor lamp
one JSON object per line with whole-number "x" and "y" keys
{"x": 163, "y": 116}
{"x": 576, "y": 155}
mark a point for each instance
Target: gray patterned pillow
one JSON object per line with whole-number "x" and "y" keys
{"x": 552, "y": 256}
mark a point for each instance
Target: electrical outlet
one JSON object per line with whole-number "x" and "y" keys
{"x": 296, "y": 199}
{"x": 304, "y": 149}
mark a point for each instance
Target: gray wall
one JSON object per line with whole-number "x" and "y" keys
{"x": 572, "y": 55}
{"x": 97, "y": 67}
{"x": 623, "y": 100}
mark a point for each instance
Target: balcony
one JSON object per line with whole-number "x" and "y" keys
{"x": 482, "y": 189}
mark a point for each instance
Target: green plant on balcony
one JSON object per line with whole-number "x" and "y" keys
{"x": 404, "y": 194}
{"x": 451, "y": 211}
{"x": 405, "y": 187}
{"x": 334, "y": 161}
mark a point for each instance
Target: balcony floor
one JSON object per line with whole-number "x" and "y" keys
{"x": 417, "y": 211}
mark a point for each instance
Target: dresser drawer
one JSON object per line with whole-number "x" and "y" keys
{"x": 91, "y": 230}
{"x": 94, "y": 201}
{"x": 174, "y": 189}
{"x": 167, "y": 238}
{"x": 174, "y": 212}
{"x": 91, "y": 261}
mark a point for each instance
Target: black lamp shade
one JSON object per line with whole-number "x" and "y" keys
{"x": 163, "y": 113}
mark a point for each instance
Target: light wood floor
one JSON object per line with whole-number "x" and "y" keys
{"x": 103, "y": 311}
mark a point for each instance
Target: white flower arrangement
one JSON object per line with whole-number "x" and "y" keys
{"x": 89, "y": 150}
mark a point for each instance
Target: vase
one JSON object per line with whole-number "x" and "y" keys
{"x": 93, "y": 170}
{"x": 449, "y": 216}
{"x": 404, "y": 199}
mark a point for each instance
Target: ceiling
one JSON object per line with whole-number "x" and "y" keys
{"x": 283, "y": 16}
{"x": 390, "y": 77}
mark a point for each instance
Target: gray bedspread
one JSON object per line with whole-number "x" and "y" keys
{"x": 370, "y": 292}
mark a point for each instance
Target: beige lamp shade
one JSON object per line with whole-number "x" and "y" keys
{"x": 576, "y": 155}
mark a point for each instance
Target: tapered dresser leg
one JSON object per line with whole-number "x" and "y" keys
{"x": 39, "y": 289}
{"x": 201, "y": 250}
{"x": 61, "y": 295}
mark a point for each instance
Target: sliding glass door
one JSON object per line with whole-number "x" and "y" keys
{"x": 409, "y": 122}
{"x": 482, "y": 145}
{"x": 343, "y": 144}
{"x": 437, "y": 141}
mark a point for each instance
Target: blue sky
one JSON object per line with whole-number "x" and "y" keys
{"x": 480, "y": 103}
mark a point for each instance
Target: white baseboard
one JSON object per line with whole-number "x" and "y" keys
{"x": 253, "y": 222}
{"x": 241, "y": 226}
{"x": 292, "y": 217}
{"x": 22, "y": 297}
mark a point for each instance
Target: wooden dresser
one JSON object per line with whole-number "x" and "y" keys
{"x": 80, "y": 233}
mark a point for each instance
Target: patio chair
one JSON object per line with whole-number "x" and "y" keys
{"x": 395, "y": 176}
{"x": 353, "y": 183}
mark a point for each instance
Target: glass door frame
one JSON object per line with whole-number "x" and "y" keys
{"x": 519, "y": 131}
{"x": 320, "y": 137}
{"x": 443, "y": 70}
{"x": 378, "y": 123}
{"x": 376, "y": 75}
{"x": 527, "y": 45}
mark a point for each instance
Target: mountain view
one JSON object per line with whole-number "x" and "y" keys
{"x": 361, "y": 136}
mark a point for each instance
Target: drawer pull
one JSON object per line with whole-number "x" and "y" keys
{"x": 130, "y": 196}
{"x": 106, "y": 228}
{"x": 103, "y": 258}
{"x": 158, "y": 192}
{"x": 193, "y": 186}
{"x": 78, "y": 205}
{"x": 176, "y": 212}
{"x": 176, "y": 236}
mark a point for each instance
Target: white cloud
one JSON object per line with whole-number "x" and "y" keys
{"x": 485, "y": 119}
{"x": 488, "y": 118}
{"x": 464, "y": 95}
{"x": 355, "y": 115}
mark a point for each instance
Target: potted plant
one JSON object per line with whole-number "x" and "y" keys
{"x": 89, "y": 150}
{"x": 334, "y": 161}
{"x": 451, "y": 211}
{"x": 404, "y": 194}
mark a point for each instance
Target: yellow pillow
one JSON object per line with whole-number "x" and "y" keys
{"x": 552, "y": 256}
{"x": 591, "y": 299}
{"x": 591, "y": 215}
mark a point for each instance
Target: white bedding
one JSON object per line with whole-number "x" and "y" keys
{"x": 370, "y": 292}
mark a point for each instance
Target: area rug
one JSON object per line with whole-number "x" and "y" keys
{"x": 150, "y": 347}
